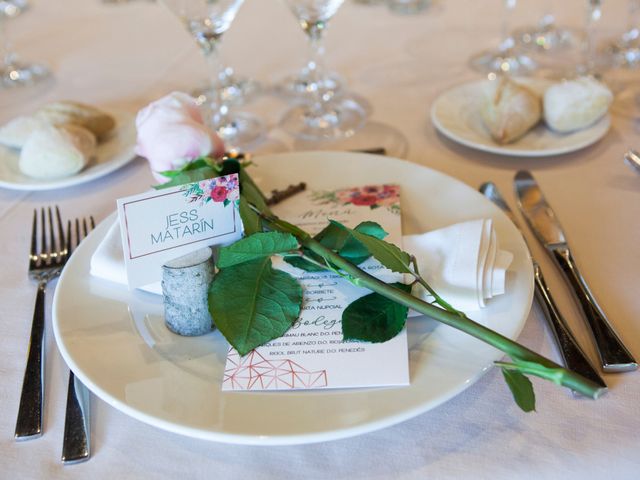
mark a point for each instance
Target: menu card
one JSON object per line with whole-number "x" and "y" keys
{"x": 312, "y": 354}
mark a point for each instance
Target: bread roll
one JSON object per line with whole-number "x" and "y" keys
{"x": 53, "y": 152}
{"x": 510, "y": 110}
{"x": 87, "y": 116}
{"x": 15, "y": 133}
{"x": 576, "y": 104}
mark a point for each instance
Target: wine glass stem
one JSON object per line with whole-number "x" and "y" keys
{"x": 507, "y": 40}
{"x": 219, "y": 108}
{"x": 6, "y": 57}
{"x": 316, "y": 67}
{"x": 548, "y": 18}
{"x": 634, "y": 13}
{"x": 594, "y": 12}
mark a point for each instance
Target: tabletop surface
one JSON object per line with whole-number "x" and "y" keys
{"x": 122, "y": 56}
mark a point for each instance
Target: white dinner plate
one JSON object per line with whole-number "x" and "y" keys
{"x": 117, "y": 344}
{"x": 111, "y": 154}
{"x": 456, "y": 115}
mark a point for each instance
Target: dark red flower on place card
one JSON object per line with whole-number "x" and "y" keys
{"x": 364, "y": 200}
{"x": 219, "y": 193}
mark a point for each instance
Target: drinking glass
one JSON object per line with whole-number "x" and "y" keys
{"x": 547, "y": 36}
{"x": 625, "y": 50}
{"x": 506, "y": 58}
{"x": 624, "y": 54}
{"x": 207, "y": 21}
{"x": 13, "y": 72}
{"x": 313, "y": 76}
{"x": 590, "y": 61}
{"x": 324, "y": 115}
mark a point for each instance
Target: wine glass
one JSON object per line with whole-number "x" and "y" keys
{"x": 590, "y": 61}
{"x": 625, "y": 51}
{"x": 207, "y": 21}
{"x": 547, "y": 37}
{"x": 624, "y": 55}
{"x": 506, "y": 59}
{"x": 313, "y": 76}
{"x": 324, "y": 115}
{"x": 13, "y": 72}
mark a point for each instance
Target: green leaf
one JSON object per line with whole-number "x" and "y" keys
{"x": 521, "y": 389}
{"x": 250, "y": 219}
{"x": 189, "y": 176}
{"x": 252, "y": 303}
{"x": 256, "y": 246}
{"x": 374, "y": 318}
{"x": 196, "y": 164}
{"x": 304, "y": 264}
{"x": 252, "y": 193}
{"x": 339, "y": 240}
{"x": 386, "y": 253}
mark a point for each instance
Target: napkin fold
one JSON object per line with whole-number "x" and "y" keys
{"x": 107, "y": 261}
{"x": 462, "y": 262}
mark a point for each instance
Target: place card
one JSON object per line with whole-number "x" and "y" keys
{"x": 161, "y": 225}
{"x": 312, "y": 354}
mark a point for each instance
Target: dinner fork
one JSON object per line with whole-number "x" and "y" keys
{"x": 45, "y": 264}
{"x": 76, "y": 445}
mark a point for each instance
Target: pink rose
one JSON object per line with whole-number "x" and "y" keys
{"x": 171, "y": 134}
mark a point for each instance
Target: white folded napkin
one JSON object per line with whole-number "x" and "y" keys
{"x": 462, "y": 262}
{"x": 107, "y": 261}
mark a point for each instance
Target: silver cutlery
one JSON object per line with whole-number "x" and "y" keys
{"x": 573, "y": 356}
{"x": 614, "y": 356}
{"x": 76, "y": 444}
{"x": 46, "y": 259}
{"x": 632, "y": 158}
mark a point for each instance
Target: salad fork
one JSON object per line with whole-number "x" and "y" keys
{"x": 45, "y": 264}
{"x": 76, "y": 446}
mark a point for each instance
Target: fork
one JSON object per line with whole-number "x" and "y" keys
{"x": 76, "y": 445}
{"x": 45, "y": 264}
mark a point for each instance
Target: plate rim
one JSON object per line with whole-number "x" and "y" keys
{"x": 506, "y": 150}
{"x": 124, "y": 157}
{"x": 287, "y": 438}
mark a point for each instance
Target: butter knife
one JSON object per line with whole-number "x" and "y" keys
{"x": 573, "y": 356}
{"x": 614, "y": 356}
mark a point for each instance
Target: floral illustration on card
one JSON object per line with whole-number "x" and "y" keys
{"x": 220, "y": 190}
{"x": 372, "y": 196}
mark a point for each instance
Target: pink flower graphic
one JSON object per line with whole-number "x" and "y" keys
{"x": 219, "y": 193}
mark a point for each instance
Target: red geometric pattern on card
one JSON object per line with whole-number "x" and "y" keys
{"x": 254, "y": 372}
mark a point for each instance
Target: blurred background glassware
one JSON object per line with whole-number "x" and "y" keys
{"x": 591, "y": 63}
{"x": 547, "y": 37}
{"x": 313, "y": 77}
{"x": 235, "y": 89}
{"x": 14, "y": 72}
{"x": 323, "y": 115}
{"x": 623, "y": 55}
{"x": 624, "y": 51}
{"x": 207, "y": 21}
{"x": 507, "y": 58}
{"x": 407, "y": 7}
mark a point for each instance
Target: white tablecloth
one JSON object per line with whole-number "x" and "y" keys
{"x": 122, "y": 56}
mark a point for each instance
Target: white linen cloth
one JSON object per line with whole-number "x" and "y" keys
{"x": 463, "y": 262}
{"x": 128, "y": 54}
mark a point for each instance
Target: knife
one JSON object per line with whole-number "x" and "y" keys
{"x": 614, "y": 356}
{"x": 573, "y": 356}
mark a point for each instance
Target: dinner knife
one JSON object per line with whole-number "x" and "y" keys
{"x": 614, "y": 356}
{"x": 573, "y": 356}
